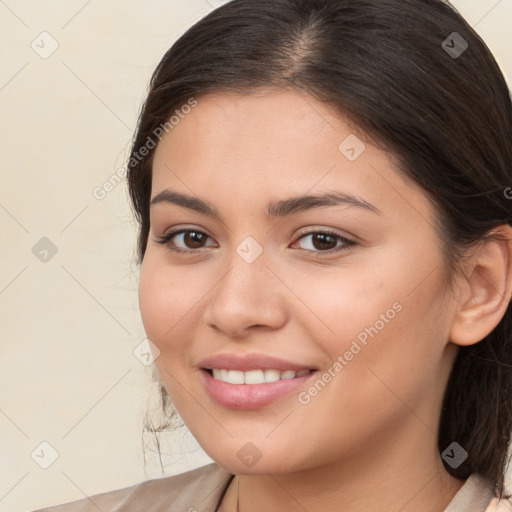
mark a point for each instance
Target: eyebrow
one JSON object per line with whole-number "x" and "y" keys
{"x": 275, "y": 209}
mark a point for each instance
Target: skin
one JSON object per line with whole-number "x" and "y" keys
{"x": 368, "y": 440}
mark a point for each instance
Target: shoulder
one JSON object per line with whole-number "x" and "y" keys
{"x": 497, "y": 505}
{"x": 197, "y": 490}
{"x": 477, "y": 495}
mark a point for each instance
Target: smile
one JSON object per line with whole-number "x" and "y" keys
{"x": 251, "y": 390}
{"x": 252, "y": 380}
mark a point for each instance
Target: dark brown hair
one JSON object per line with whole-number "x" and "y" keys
{"x": 396, "y": 70}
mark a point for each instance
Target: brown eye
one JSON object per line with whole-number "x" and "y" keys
{"x": 192, "y": 240}
{"x": 325, "y": 242}
{"x": 322, "y": 242}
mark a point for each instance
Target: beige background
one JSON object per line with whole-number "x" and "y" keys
{"x": 68, "y": 374}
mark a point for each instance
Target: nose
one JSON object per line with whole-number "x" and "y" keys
{"x": 247, "y": 296}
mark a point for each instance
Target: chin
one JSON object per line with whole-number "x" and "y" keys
{"x": 246, "y": 458}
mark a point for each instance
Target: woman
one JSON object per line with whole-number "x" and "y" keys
{"x": 324, "y": 195}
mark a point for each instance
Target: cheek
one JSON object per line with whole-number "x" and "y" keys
{"x": 165, "y": 302}
{"x": 166, "y": 305}
{"x": 345, "y": 304}
{"x": 399, "y": 360}
{"x": 389, "y": 332}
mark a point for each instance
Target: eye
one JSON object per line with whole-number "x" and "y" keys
{"x": 321, "y": 242}
{"x": 193, "y": 237}
{"x": 324, "y": 240}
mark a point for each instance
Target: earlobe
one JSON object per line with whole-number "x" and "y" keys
{"x": 486, "y": 288}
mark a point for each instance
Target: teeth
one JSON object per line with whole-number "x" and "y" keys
{"x": 255, "y": 376}
{"x": 271, "y": 376}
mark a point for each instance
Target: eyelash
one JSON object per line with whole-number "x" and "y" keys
{"x": 165, "y": 240}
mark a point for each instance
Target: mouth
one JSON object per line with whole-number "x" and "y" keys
{"x": 251, "y": 381}
{"x": 252, "y": 388}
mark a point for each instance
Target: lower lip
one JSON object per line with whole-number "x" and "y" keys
{"x": 250, "y": 396}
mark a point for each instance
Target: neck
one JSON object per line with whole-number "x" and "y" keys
{"x": 408, "y": 477}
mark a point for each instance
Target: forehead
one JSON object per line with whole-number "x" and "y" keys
{"x": 276, "y": 144}
{"x": 262, "y": 126}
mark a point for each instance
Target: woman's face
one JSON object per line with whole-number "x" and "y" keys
{"x": 353, "y": 290}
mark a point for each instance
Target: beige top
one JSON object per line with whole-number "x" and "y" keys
{"x": 202, "y": 490}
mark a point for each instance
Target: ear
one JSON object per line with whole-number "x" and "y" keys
{"x": 485, "y": 288}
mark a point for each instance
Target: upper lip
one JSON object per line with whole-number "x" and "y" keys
{"x": 248, "y": 362}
